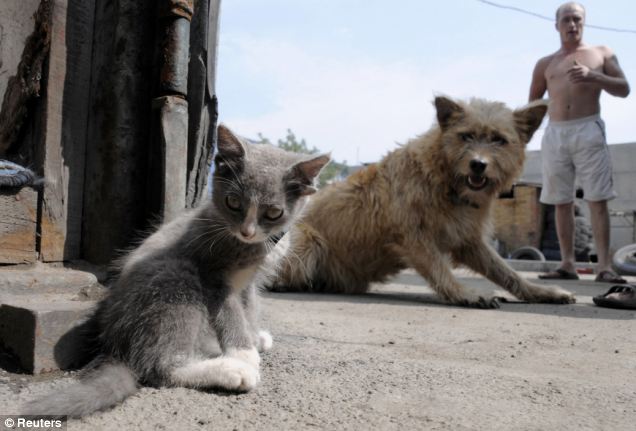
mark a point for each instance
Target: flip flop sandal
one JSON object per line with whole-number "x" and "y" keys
{"x": 559, "y": 274}
{"x": 626, "y": 300}
{"x": 609, "y": 277}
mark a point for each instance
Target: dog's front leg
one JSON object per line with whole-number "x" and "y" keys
{"x": 435, "y": 267}
{"x": 482, "y": 258}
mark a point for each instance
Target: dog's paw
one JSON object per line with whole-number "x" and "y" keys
{"x": 481, "y": 302}
{"x": 476, "y": 300}
{"x": 265, "y": 341}
{"x": 550, "y": 294}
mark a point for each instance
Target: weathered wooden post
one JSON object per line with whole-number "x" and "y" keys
{"x": 202, "y": 99}
{"x": 185, "y": 108}
{"x": 170, "y": 105}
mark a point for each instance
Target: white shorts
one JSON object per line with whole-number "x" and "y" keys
{"x": 576, "y": 149}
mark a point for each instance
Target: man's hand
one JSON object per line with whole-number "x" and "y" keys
{"x": 579, "y": 73}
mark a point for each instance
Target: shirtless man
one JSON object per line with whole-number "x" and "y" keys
{"x": 574, "y": 141}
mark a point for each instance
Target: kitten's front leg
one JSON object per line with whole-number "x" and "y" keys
{"x": 262, "y": 339}
{"x": 434, "y": 267}
{"x": 240, "y": 355}
{"x": 237, "y": 369}
{"x": 234, "y": 331}
{"x": 483, "y": 259}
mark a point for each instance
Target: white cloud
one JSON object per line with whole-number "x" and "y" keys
{"x": 359, "y": 108}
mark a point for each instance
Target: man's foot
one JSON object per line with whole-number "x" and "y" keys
{"x": 621, "y": 296}
{"x": 559, "y": 274}
{"x": 610, "y": 277}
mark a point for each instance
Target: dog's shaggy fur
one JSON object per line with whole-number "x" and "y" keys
{"x": 425, "y": 205}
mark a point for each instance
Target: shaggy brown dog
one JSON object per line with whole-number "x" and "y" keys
{"x": 425, "y": 205}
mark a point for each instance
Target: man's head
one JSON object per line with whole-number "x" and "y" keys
{"x": 570, "y": 18}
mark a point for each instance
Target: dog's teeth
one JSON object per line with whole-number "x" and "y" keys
{"x": 476, "y": 181}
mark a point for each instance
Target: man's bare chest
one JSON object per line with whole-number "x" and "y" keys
{"x": 558, "y": 68}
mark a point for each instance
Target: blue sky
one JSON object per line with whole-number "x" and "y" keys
{"x": 358, "y": 77}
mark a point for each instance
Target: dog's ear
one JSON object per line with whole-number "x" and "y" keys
{"x": 448, "y": 112}
{"x": 529, "y": 118}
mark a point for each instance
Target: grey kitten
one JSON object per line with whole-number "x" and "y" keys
{"x": 182, "y": 310}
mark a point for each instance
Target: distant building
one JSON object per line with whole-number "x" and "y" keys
{"x": 623, "y": 207}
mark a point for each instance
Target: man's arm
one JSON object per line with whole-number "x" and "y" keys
{"x": 619, "y": 85}
{"x": 539, "y": 85}
{"x": 611, "y": 79}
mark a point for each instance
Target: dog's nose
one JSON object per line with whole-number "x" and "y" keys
{"x": 478, "y": 166}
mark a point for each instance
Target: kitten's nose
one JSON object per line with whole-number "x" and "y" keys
{"x": 478, "y": 166}
{"x": 248, "y": 230}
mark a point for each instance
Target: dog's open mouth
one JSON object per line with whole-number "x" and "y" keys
{"x": 476, "y": 182}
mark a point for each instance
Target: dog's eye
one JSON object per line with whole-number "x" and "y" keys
{"x": 274, "y": 213}
{"x": 499, "y": 140}
{"x": 233, "y": 202}
{"x": 467, "y": 137}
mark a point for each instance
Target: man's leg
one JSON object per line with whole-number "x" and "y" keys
{"x": 601, "y": 230}
{"x": 564, "y": 217}
{"x": 594, "y": 167}
{"x": 558, "y": 186}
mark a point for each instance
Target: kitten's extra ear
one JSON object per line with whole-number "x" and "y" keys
{"x": 302, "y": 174}
{"x": 448, "y": 112}
{"x": 228, "y": 145}
{"x": 529, "y": 118}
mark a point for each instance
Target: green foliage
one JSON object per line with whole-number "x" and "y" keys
{"x": 331, "y": 172}
{"x": 263, "y": 140}
{"x": 291, "y": 143}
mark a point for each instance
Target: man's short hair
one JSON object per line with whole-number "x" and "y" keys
{"x": 564, "y": 5}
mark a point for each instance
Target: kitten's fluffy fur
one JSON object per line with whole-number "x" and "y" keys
{"x": 425, "y": 205}
{"x": 182, "y": 310}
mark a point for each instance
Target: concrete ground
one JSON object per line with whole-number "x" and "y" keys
{"x": 397, "y": 359}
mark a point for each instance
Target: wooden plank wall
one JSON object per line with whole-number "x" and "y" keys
{"x": 18, "y": 208}
{"x": 89, "y": 130}
{"x": 18, "y": 221}
{"x": 66, "y": 116}
{"x": 116, "y": 195}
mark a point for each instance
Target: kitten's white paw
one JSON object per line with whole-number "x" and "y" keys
{"x": 237, "y": 375}
{"x": 265, "y": 341}
{"x": 250, "y": 356}
{"x": 222, "y": 372}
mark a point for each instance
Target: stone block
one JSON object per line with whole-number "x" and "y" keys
{"x": 42, "y": 309}
{"x": 39, "y": 334}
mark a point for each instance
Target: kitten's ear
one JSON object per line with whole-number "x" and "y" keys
{"x": 448, "y": 112}
{"x": 228, "y": 145}
{"x": 302, "y": 174}
{"x": 529, "y": 118}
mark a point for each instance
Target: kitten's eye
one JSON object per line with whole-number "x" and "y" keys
{"x": 274, "y": 213}
{"x": 499, "y": 140}
{"x": 466, "y": 137}
{"x": 233, "y": 202}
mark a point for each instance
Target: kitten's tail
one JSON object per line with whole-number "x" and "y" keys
{"x": 105, "y": 386}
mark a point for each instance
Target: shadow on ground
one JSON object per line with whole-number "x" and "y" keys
{"x": 419, "y": 294}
